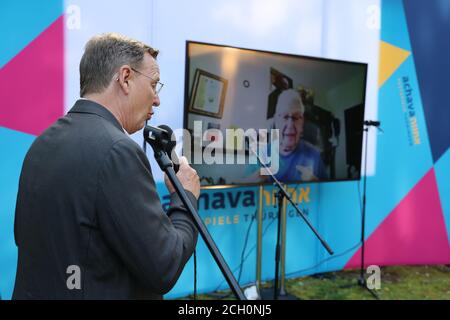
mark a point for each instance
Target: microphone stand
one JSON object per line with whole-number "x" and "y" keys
{"x": 281, "y": 194}
{"x": 166, "y": 165}
{"x": 362, "y": 280}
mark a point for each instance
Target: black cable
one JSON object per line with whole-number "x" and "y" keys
{"x": 245, "y": 247}
{"x": 243, "y": 259}
{"x": 340, "y": 254}
{"x": 144, "y": 145}
{"x": 221, "y": 296}
{"x": 358, "y": 183}
{"x": 325, "y": 260}
{"x": 195, "y": 274}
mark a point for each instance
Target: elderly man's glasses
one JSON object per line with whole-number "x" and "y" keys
{"x": 294, "y": 117}
{"x": 156, "y": 85}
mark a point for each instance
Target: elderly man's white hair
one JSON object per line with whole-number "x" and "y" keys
{"x": 287, "y": 98}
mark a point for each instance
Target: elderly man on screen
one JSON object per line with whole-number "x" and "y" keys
{"x": 298, "y": 160}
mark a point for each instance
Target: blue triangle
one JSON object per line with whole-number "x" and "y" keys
{"x": 22, "y": 21}
{"x": 14, "y": 146}
{"x": 394, "y": 28}
{"x": 442, "y": 170}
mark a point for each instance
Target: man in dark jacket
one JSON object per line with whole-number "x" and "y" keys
{"x": 89, "y": 223}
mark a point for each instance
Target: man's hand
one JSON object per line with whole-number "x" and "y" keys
{"x": 188, "y": 178}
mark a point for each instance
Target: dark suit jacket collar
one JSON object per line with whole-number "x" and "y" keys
{"x": 88, "y": 106}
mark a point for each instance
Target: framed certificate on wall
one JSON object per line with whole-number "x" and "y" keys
{"x": 208, "y": 94}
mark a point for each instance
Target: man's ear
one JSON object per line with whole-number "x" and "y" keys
{"x": 123, "y": 78}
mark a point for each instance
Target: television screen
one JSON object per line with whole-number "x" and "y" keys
{"x": 250, "y": 112}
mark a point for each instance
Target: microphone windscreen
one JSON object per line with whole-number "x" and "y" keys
{"x": 167, "y": 128}
{"x": 170, "y": 147}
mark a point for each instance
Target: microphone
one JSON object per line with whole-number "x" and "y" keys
{"x": 372, "y": 123}
{"x": 160, "y": 138}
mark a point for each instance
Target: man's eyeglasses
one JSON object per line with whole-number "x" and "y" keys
{"x": 156, "y": 85}
{"x": 294, "y": 117}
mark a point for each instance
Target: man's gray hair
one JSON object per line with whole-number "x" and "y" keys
{"x": 289, "y": 96}
{"x": 104, "y": 54}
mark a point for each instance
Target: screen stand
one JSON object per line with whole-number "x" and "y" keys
{"x": 281, "y": 194}
{"x": 275, "y": 293}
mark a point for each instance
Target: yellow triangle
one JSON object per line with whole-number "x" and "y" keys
{"x": 391, "y": 57}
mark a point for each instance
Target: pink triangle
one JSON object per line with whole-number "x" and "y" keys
{"x": 32, "y": 83}
{"x": 413, "y": 233}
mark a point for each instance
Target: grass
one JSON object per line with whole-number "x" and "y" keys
{"x": 397, "y": 283}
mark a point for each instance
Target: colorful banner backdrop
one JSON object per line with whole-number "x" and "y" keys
{"x": 408, "y": 208}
